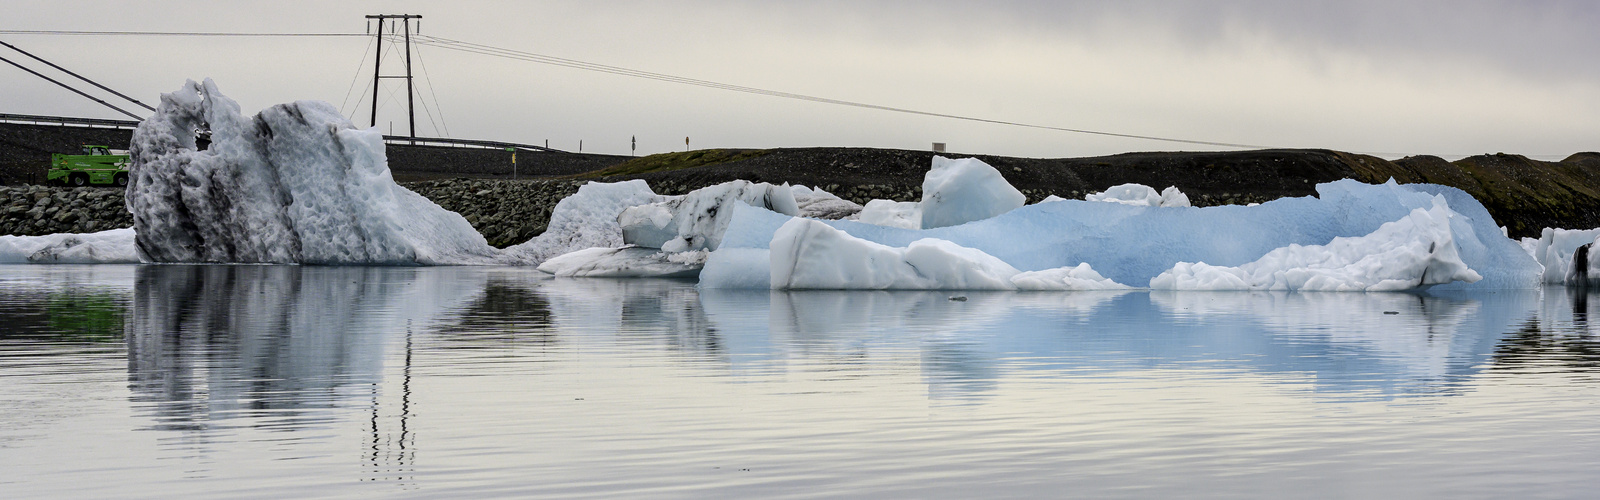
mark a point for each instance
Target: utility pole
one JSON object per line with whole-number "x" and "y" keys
{"x": 377, "y": 73}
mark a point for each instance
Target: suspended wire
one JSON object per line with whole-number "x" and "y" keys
{"x": 78, "y": 76}
{"x": 69, "y": 87}
{"x": 170, "y": 33}
{"x": 488, "y": 50}
{"x": 429, "y": 113}
{"x": 357, "y": 77}
{"x": 432, "y": 91}
{"x": 393, "y": 91}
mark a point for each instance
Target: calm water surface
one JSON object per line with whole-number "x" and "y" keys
{"x": 282, "y": 381}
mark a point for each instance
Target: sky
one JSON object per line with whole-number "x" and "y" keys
{"x": 1448, "y": 78}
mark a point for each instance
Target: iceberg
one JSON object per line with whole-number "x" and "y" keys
{"x": 1414, "y": 252}
{"x": 956, "y": 192}
{"x": 1080, "y": 277}
{"x": 1141, "y": 195}
{"x": 890, "y": 213}
{"x": 105, "y": 247}
{"x": 807, "y": 254}
{"x": 587, "y": 219}
{"x": 1133, "y": 245}
{"x": 1554, "y": 248}
{"x": 625, "y": 262}
{"x": 695, "y": 221}
{"x": 296, "y": 183}
{"x": 815, "y": 203}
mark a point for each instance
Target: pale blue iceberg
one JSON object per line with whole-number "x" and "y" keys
{"x": 1133, "y": 244}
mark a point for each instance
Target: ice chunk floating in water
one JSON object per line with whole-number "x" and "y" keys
{"x": 1141, "y": 195}
{"x": 695, "y": 221}
{"x": 105, "y": 247}
{"x": 1133, "y": 244}
{"x": 1414, "y": 252}
{"x": 296, "y": 183}
{"x": 960, "y": 191}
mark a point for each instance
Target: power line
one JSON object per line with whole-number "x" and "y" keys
{"x": 69, "y": 87}
{"x": 492, "y": 51}
{"x": 80, "y": 77}
{"x": 356, "y": 78}
{"x": 170, "y": 33}
{"x": 432, "y": 91}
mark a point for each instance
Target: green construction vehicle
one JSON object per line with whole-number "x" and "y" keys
{"x": 95, "y": 166}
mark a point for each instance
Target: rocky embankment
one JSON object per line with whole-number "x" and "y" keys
{"x": 505, "y": 212}
{"x": 40, "y": 210}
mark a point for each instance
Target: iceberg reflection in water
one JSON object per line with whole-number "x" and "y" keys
{"x": 365, "y": 380}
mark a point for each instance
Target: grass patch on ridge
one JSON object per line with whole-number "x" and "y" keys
{"x": 666, "y": 162}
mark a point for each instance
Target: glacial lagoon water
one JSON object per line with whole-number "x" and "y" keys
{"x": 332, "y": 382}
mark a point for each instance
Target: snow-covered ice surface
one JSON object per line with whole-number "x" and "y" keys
{"x": 959, "y": 191}
{"x": 105, "y": 247}
{"x": 1141, "y": 195}
{"x": 1132, "y": 244}
{"x": 296, "y": 183}
{"x": 1416, "y": 251}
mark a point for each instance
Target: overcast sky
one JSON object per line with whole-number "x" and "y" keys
{"x": 1393, "y": 78}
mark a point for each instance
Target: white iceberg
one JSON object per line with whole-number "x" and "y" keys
{"x": 695, "y": 221}
{"x": 296, "y": 183}
{"x": 890, "y": 213}
{"x": 625, "y": 262}
{"x": 1080, "y": 277}
{"x": 1141, "y": 195}
{"x": 956, "y": 192}
{"x": 587, "y": 219}
{"x": 105, "y": 247}
{"x": 1554, "y": 249}
{"x": 807, "y": 254}
{"x": 1414, "y": 252}
{"x": 815, "y": 203}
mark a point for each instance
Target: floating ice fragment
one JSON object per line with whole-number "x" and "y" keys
{"x": 815, "y": 203}
{"x": 105, "y": 247}
{"x": 1141, "y": 195}
{"x": 889, "y": 213}
{"x": 1080, "y": 277}
{"x": 625, "y": 262}
{"x": 956, "y": 192}
{"x": 700, "y": 217}
{"x": 1414, "y": 252}
{"x": 587, "y": 219}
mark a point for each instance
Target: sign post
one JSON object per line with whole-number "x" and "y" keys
{"x": 513, "y": 162}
